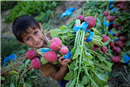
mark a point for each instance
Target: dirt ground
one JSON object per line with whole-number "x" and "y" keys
{"x": 114, "y": 81}
{"x": 6, "y": 29}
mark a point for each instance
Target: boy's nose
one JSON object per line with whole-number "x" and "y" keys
{"x": 35, "y": 39}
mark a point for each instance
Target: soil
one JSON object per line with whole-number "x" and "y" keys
{"x": 114, "y": 80}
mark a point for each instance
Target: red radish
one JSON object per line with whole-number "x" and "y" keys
{"x": 104, "y": 49}
{"x": 118, "y": 5}
{"x": 111, "y": 44}
{"x": 122, "y": 8}
{"x": 90, "y": 21}
{"x": 105, "y": 13}
{"x": 117, "y": 34}
{"x": 80, "y": 17}
{"x": 123, "y": 38}
{"x": 50, "y": 56}
{"x": 94, "y": 49}
{"x": 74, "y": 25}
{"x": 113, "y": 48}
{"x": 55, "y": 44}
{"x": 104, "y": 38}
{"x": 117, "y": 50}
{"x": 64, "y": 50}
{"x": 112, "y": 18}
{"x": 114, "y": 25}
{"x": 117, "y": 16}
{"x": 119, "y": 43}
{"x": 31, "y": 54}
{"x": 109, "y": 17}
{"x": 116, "y": 59}
{"x": 123, "y": 22}
{"x": 35, "y": 64}
{"x": 119, "y": 28}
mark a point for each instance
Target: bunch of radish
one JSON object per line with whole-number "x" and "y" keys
{"x": 89, "y": 20}
{"x": 35, "y": 61}
{"x": 56, "y": 45}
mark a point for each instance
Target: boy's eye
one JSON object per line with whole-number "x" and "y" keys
{"x": 28, "y": 38}
{"x": 35, "y": 32}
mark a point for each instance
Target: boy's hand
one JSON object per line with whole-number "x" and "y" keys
{"x": 64, "y": 62}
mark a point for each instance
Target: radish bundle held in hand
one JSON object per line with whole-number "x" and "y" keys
{"x": 55, "y": 44}
{"x": 90, "y": 21}
{"x": 35, "y": 64}
{"x": 50, "y": 56}
{"x": 64, "y": 50}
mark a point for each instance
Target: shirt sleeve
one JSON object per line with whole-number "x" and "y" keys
{"x": 48, "y": 69}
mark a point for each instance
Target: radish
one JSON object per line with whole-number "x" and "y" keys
{"x": 90, "y": 21}
{"x": 104, "y": 38}
{"x": 112, "y": 18}
{"x": 117, "y": 50}
{"x": 55, "y": 44}
{"x": 111, "y": 44}
{"x": 114, "y": 25}
{"x": 116, "y": 59}
{"x": 30, "y": 54}
{"x": 114, "y": 48}
{"x": 119, "y": 43}
{"x": 35, "y": 64}
{"x": 64, "y": 50}
{"x": 123, "y": 22}
{"x": 105, "y": 13}
{"x": 80, "y": 17}
{"x": 119, "y": 28}
{"x": 118, "y": 5}
{"x": 117, "y": 34}
{"x": 123, "y": 38}
{"x": 104, "y": 49}
{"x": 50, "y": 56}
{"x": 117, "y": 16}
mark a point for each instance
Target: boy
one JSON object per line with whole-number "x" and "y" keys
{"x": 28, "y": 31}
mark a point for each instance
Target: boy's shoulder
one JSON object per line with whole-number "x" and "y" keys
{"x": 48, "y": 69}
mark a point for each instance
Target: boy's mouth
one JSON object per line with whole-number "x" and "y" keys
{"x": 38, "y": 43}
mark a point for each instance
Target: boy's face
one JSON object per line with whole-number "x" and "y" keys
{"x": 34, "y": 39}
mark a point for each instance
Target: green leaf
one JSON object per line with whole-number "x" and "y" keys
{"x": 77, "y": 53}
{"x": 80, "y": 85}
{"x": 43, "y": 60}
{"x": 63, "y": 27}
{"x": 71, "y": 67}
{"x": 72, "y": 84}
{"x": 54, "y": 33}
{"x": 69, "y": 75}
{"x": 2, "y": 78}
{"x": 12, "y": 85}
{"x": 13, "y": 72}
{"x": 85, "y": 80}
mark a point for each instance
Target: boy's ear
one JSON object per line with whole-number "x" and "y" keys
{"x": 40, "y": 26}
{"x": 21, "y": 42}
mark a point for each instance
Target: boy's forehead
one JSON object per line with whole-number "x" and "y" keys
{"x": 28, "y": 31}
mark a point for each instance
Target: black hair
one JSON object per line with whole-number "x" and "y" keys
{"x": 22, "y": 24}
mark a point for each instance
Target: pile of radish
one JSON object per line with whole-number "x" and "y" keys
{"x": 107, "y": 45}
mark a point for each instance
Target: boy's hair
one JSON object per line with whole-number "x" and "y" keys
{"x": 22, "y": 24}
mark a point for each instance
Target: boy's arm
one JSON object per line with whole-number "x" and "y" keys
{"x": 60, "y": 74}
